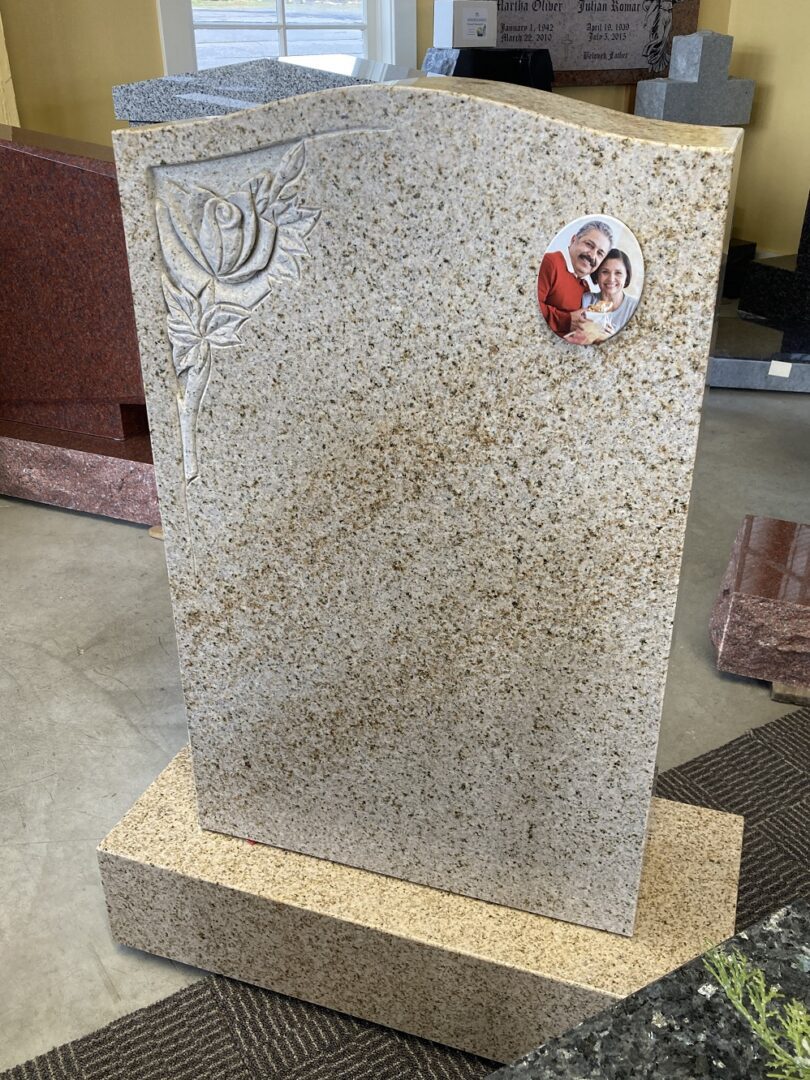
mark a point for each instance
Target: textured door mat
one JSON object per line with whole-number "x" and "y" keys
{"x": 219, "y": 1029}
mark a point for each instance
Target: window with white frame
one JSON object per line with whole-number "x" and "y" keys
{"x": 232, "y": 31}
{"x": 209, "y": 33}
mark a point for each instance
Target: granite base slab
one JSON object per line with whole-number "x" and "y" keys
{"x": 760, "y": 623}
{"x": 684, "y": 1025}
{"x": 792, "y": 695}
{"x": 482, "y": 978}
{"x": 783, "y": 372}
{"x": 113, "y": 478}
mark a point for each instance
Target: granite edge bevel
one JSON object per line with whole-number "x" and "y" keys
{"x": 594, "y": 119}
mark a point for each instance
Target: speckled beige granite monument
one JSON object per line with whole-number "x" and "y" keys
{"x": 423, "y": 554}
{"x": 486, "y": 979}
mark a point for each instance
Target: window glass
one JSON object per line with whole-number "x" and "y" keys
{"x": 232, "y": 31}
{"x": 302, "y": 12}
{"x": 233, "y": 46}
{"x": 233, "y": 11}
{"x": 310, "y": 42}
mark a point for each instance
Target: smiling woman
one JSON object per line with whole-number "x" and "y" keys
{"x": 590, "y": 279}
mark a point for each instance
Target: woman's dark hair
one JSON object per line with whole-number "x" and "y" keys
{"x": 614, "y": 253}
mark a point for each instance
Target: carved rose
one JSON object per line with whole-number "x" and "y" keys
{"x": 225, "y": 234}
{"x": 237, "y": 236}
{"x": 259, "y": 231}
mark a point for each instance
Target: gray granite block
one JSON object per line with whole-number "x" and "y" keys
{"x": 701, "y": 57}
{"x": 220, "y": 90}
{"x": 424, "y": 553}
{"x": 698, "y": 90}
{"x": 790, "y": 373}
{"x": 683, "y": 1025}
{"x": 440, "y": 61}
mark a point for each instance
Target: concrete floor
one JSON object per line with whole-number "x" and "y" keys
{"x": 92, "y": 709}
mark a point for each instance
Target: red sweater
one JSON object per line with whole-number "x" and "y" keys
{"x": 559, "y": 291}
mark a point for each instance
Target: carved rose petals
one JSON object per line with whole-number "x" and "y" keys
{"x": 254, "y": 256}
{"x": 228, "y": 232}
{"x": 225, "y": 235}
{"x": 186, "y": 206}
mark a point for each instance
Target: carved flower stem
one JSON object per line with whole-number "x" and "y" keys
{"x": 189, "y": 399}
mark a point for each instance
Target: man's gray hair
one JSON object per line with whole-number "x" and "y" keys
{"x": 602, "y": 226}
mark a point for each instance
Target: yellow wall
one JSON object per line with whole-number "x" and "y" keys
{"x": 775, "y": 168}
{"x": 8, "y": 103}
{"x": 768, "y": 47}
{"x": 66, "y": 55}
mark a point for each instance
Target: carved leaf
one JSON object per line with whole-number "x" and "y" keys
{"x": 221, "y": 322}
{"x": 284, "y": 266}
{"x": 289, "y": 171}
{"x": 261, "y": 187}
{"x": 293, "y": 244}
{"x": 180, "y": 303}
{"x": 294, "y": 224}
{"x": 182, "y": 323}
{"x": 297, "y": 219}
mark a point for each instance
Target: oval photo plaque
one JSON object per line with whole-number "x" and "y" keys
{"x": 590, "y": 279}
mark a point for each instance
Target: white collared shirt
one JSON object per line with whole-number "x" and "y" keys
{"x": 570, "y": 267}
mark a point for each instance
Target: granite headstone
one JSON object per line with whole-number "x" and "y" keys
{"x": 423, "y": 554}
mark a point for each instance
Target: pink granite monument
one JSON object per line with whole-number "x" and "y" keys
{"x": 760, "y": 623}
{"x": 73, "y": 429}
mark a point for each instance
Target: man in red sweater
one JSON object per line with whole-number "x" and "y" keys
{"x": 564, "y": 276}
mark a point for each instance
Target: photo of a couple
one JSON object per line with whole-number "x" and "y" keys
{"x": 590, "y": 280}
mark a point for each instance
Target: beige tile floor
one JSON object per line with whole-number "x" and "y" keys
{"x": 91, "y": 710}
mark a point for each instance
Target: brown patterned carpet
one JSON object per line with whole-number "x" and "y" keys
{"x": 219, "y": 1029}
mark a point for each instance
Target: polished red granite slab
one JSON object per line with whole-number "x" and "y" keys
{"x": 69, "y": 349}
{"x": 760, "y": 623}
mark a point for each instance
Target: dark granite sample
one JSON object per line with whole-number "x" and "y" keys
{"x": 791, "y": 373}
{"x": 221, "y": 90}
{"x": 524, "y": 67}
{"x": 744, "y": 351}
{"x": 760, "y": 623}
{"x": 741, "y": 254}
{"x": 70, "y": 352}
{"x": 683, "y": 1025}
{"x": 779, "y": 289}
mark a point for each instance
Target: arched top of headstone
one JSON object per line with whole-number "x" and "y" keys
{"x": 538, "y": 103}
